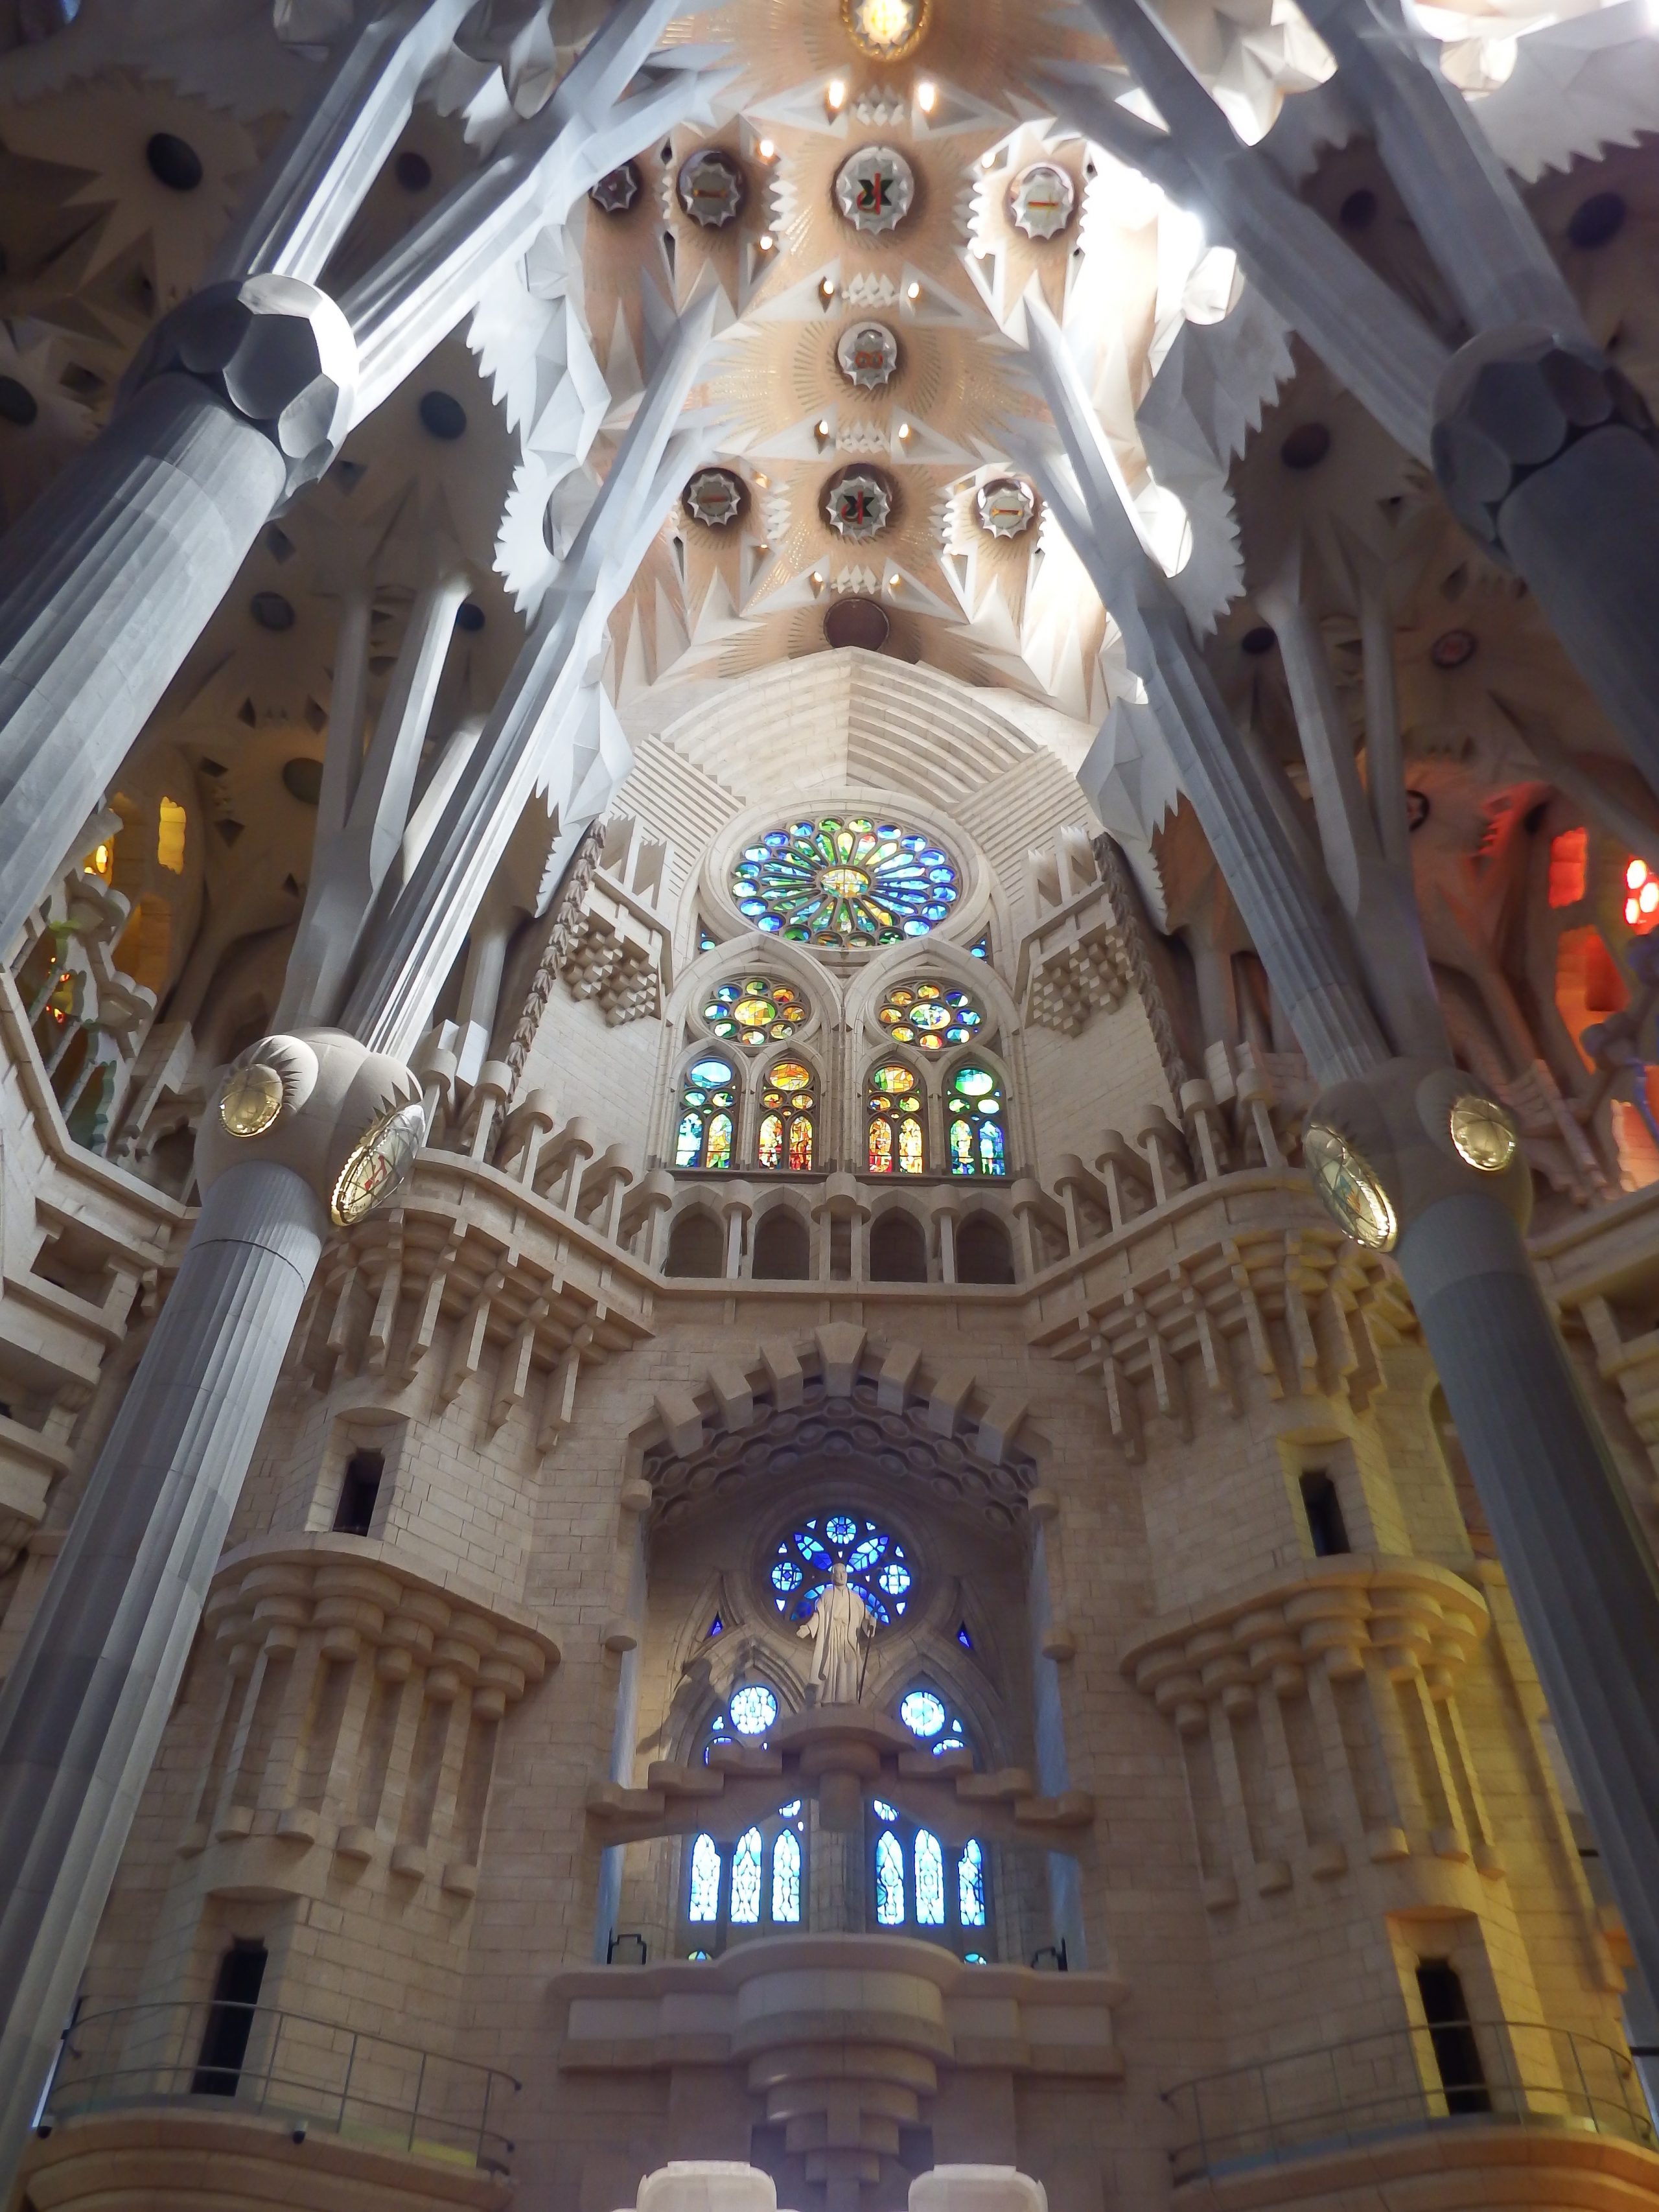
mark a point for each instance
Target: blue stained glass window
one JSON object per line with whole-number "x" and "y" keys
{"x": 963, "y": 1638}
{"x": 922, "y": 1713}
{"x": 971, "y": 1885}
{"x": 929, "y": 1015}
{"x": 974, "y": 1117}
{"x": 845, "y": 880}
{"x": 785, "y": 1880}
{"x": 705, "y": 1879}
{"x": 983, "y": 950}
{"x": 704, "y": 1138}
{"x": 930, "y": 1880}
{"x": 884, "y": 1811}
{"x": 890, "y": 1880}
{"x": 717, "y": 1626}
{"x": 876, "y": 1564}
{"x": 753, "y": 1709}
{"x": 746, "y": 1880}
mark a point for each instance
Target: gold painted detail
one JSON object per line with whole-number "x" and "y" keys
{"x": 252, "y": 1100}
{"x": 1351, "y": 1189}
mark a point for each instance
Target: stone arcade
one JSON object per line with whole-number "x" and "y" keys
{"x": 828, "y": 1166}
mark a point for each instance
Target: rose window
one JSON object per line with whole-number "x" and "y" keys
{"x": 754, "y": 1010}
{"x": 929, "y": 1015}
{"x": 849, "y": 882}
{"x": 805, "y": 1562}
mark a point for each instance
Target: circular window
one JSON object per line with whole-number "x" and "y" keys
{"x": 845, "y": 881}
{"x": 805, "y": 1563}
{"x": 929, "y": 1015}
{"x": 753, "y": 1708}
{"x": 754, "y": 1010}
{"x": 923, "y": 1714}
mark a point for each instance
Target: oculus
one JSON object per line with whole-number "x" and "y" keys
{"x": 929, "y": 1016}
{"x": 875, "y": 189}
{"x": 713, "y": 497}
{"x": 845, "y": 881}
{"x": 875, "y": 1562}
{"x": 1351, "y": 1189}
{"x": 252, "y": 1100}
{"x": 378, "y": 1164}
{"x": 754, "y": 1010}
{"x": 887, "y": 29}
{"x": 867, "y": 355}
{"x": 1041, "y": 200}
{"x": 712, "y": 187}
{"x": 1005, "y": 506}
{"x": 1482, "y": 1131}
{"x": 858, "y": 504}
{"x": 616, "y": 193}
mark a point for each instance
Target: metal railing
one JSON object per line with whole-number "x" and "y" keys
{"x": 244, "y": 2059}
{"x": 1457, "y": 2074}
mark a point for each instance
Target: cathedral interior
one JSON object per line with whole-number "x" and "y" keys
{"x": 828, "y": 1189}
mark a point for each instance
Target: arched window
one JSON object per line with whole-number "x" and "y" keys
{"x": 929, "y": 1015}
{"x": 983, "y": 1252}
{"x": 759, "y": 1881}
{"x": 845, "y": 881}
{"x": 876, "y": 1565}
{"x": 898, "y": 1250}
{"x": 974, "y": 1134}
{"x": 922, "y": 1884}
{"x": 893, "y": 1106}
{"x": 754, "y": 1010}
{"x": 788, "y": 1098}
{"x": 708, "y": 1110}
{"x": 783, "y": 1249}
{"x": 696, "y": 1246}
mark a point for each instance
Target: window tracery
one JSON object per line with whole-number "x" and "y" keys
{"x": 785, "y": 1139}
{"x": 930, "y": 1016}
{"x": 847, "y": 881}
{"x": 708, "y": 1116}
{"x": 754, "y": 1010}
{"x": 893, "y": 1103}
{"x": 877, "y": 1567}
{"x": 921, "y": 1882}
{"x": 974, "y": 1122}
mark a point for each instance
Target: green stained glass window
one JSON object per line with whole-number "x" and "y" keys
{"x": 846, "y": 880}
{"x": 974, "y": 1114}
{"x": 752, "y": 1009}
{"x": 929, "y": 1015}
{"x": 708, "y": 1107}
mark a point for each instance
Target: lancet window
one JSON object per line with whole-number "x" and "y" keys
{"x": 894, "y": 1112}
{"x": 707, "y": 1119}
{"x": 758, "y": 1882}
{"x": 974, "y": 1118}
{"x": 788, "y": 1099}
{"x": 920, "y": 1883}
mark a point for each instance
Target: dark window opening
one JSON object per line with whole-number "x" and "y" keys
{"x": 898, "y": 1250}
{"x": 1456, "y": 2054}
{"x": 983, "y": 1252}
{"x": 354, "y": 1514}
{"x": 230, "y": 2021}
{"x": 782, "y": 1248}
{"x": 696, "y": 1247}
{"x": 1324, "y": 1510}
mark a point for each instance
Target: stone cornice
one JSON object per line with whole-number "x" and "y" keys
{"x": 1328, "y": 1613}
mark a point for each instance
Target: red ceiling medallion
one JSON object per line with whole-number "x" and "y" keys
{"x": 876, "y": 189}
{"x": 858, "y": 503}
{"x": 1041, "y": 200}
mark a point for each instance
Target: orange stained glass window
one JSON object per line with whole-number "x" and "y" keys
{"x": 893, "y": 1104}
{"x": 1569, "y": 867}
{"x": 1587, "y": 984}
{"x": 786, "y": 1129}
{"x": 1641, "y": 896}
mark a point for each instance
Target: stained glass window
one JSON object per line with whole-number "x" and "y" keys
{"x": 925, "y": 1713}
{"x": 750, "y": 1011}
{"x": 707, "y": 1105}
{"x": 705, "y": 1879}
{"x": 983, "y": 950}
{"x": 786, "y": 1129}
{"x": 746, "y": 1880}
{"x": 971, "y": 1885}
{"x": 890, "y": 1880}
{"x": 845, "y": 881}
{"x": 929, "y": 1015}
{"x": 930, "y": 1880}
{"x": 973, "y": 1123}
{"x": 753, "y": 1709}
{"x": 785, "y": 1880}
{"x": 876, "y": 1564}
{"x": 894, "y": 1105}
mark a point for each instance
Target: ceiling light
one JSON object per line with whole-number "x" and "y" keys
{"x": 817, "y": 579}
{"x": 764, "y": 481}
{"x": 828, "y": 289}
{"x": 766, "y": 241}
{"x": 766, "y": 150}
{"x": 823, "y": 429}
{"x": 905, "y": 430}
{"x": 835, "y": 96}
{"x": 926, "y": 95}
{"x": 914, "y": 292}
{"x": 895, "y": 582}
{"x": 987, "y": 160}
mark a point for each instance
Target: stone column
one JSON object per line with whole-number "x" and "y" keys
{"x": 83, "y": 1708}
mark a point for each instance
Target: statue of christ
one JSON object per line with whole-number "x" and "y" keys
{"x": 841, "y": 1619}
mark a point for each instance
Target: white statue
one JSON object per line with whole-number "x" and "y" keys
{"x": 841, "y": 1620}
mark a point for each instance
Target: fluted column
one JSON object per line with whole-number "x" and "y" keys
{"x": 83, "y": 1708}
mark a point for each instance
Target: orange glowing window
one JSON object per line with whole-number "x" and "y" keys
{"x": 1587, "y": 984}
{"x": 1569, "y": 864}
{"x": 1641, "y": 896}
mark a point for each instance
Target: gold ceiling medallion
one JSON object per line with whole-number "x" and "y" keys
{"x": 1351, "y": 1187}
{"x": 712, "y": 187}
{"x": 252, "y": 1099}
{"x": 858, "y": 503}
{"x": 1482, "y": 1131}
{"x": 875, "y": 189}
{"x": 378, "y": 1165}
{"x": 887, "y": 30}
{"x": 1005, "y": 506}
{"x": 616, "y": 191}
{"x": 1041, "y": 200}
{"x": 867, "y": 353}
{"x": 713, "y": 497}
